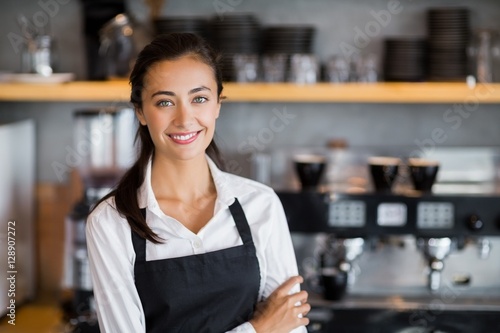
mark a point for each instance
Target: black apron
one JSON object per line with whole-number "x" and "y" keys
{"x": 209, "y": 292}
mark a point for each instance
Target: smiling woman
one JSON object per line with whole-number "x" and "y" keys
{"x": 180, "y": 104}
{"x": 179, "y": 245}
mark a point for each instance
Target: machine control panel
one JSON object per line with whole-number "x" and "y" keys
{"x": 392, "y": 214}
{"x": 435, "y": 215}
{"x": 347, "y": 213}
{"x": 372, "y": 214}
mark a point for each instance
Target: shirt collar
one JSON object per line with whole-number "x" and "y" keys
{"x": 228, "y": 186}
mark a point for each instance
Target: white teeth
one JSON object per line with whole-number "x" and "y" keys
{"x": 183, "y": 137}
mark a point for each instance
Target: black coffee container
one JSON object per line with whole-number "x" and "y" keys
{"x": 333, "y": 279}
{"x": 310, "y": 169}
{"x": 95, "y": 14}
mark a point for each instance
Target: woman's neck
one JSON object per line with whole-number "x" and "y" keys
{"x": 183, "y": 180}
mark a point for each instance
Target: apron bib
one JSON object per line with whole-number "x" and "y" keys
{"x": 209, "y": 292}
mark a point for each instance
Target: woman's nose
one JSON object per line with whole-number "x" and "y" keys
{"x": 183, "y": 116}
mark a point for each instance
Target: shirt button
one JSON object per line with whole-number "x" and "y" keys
{"x": 197, "y": 244}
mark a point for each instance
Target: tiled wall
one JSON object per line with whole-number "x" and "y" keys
{"x": 307, "y": 124}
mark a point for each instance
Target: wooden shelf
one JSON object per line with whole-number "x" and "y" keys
{"x": 77, "y": 91}
{"x": 365, "y": 93}
{"x": 119, "y": 91}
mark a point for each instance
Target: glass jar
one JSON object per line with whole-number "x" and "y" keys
{"x": 121, "y": 38}
{"x": 484, "y": 56}
{"x": 39, "y": 56}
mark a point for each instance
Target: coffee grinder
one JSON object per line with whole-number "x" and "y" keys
{"x": 103, "y": 149}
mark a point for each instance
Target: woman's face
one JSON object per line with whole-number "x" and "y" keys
{"x": 180, "y": 105}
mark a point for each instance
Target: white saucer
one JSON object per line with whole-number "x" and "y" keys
{"x": 37, "y": 78}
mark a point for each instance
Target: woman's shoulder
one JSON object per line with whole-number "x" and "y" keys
{"x": 108, "y": 234}
{"x": 250, "y": 185}
{"x": 103, "y": 207}
{"x": 253, "y": 194}
{"x": 105, "y": 215}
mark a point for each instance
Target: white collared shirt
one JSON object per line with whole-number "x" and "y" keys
{"x": 112, "y": 255}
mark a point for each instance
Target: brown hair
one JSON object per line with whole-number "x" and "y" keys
{"x": 164, "y": 47}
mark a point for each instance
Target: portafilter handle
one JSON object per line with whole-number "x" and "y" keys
{"x": 435, "y": 251}
{"x": 434, "y": 279}
{"x": 352, "y": 249}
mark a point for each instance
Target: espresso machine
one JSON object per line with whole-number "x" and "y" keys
{"x": 103, "y": 149}
{"x": 399, "y": 260}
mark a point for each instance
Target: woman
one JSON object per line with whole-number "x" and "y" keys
{"x": 181, "y": 246}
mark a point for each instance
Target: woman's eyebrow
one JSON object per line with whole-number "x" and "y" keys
{"x": 163, "y": 92}
{"x": 201, "y": 88}
{"x": 171, "y": 93}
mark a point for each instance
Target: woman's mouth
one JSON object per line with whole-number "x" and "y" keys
{"x": 184, "y": 138}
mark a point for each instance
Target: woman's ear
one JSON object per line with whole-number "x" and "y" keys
{"x": 140, "y": 116}
{"x": 219, "y": 103}
{"x": 217, "y": 112}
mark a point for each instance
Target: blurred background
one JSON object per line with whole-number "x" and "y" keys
{"x": 307, "y": 44}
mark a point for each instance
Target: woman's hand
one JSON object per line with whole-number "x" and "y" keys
{"x": 282, "y": 312}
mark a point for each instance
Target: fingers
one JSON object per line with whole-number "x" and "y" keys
{"x": 302, "y": 309}
{"x": 303, "y": 321}
{"x": 285, "y": 288}
{"x": 301, "y": 297}
{"x": 282, "y": 311}
{"x": 300, "y": 313}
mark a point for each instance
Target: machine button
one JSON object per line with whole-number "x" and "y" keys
{"x": 475, "y": 223}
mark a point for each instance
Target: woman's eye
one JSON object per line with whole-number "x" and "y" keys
{"x": 164, "y": 103}
{"x": 200, "y": 99}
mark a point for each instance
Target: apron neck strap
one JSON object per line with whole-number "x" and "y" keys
{"x": 139, "y": 243}
{"x": 241, "y": 222}
{"x": 239, "y": 217}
